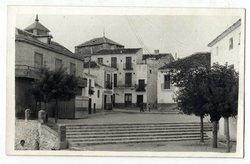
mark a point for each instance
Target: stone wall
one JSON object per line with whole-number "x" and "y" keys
{"x": 32, "y": 135}
{"x": 48, "y": 138}
{"x": 26, "y": 133}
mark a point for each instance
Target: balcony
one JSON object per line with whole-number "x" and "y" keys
{"x": 91, "y": 90}
{"x": 125, "y": 84}
{"x": 108, "y": 85}
{"x": 128, "y": 66}
{"x": 141, "y": 88}
{"x": 82, "y": 82}
{"x": 27, "y": 71}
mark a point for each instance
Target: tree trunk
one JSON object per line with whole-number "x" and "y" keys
{"x": 215, "y": 134}
{"x": 56, "y": 112}
{"x": 227, "y": 134}
{"x": 201, "y": 130}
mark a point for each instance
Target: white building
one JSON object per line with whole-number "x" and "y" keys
{"x": 226, "y": 48}
{"x": 103, "y": 83}
{"x": 165, "y": 89}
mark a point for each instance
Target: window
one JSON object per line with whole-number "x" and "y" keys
{"x": 128, "y": 79}
{"x": 98, "y": 93}
{"x": 72, "y": 69}
{"x": 217, "y": 51}
{"x": 100, "y": 60}
{"x": 58, "y": 63}
{"x": 167, "y": 82}
{"x": 231, "y": 43}
{"x": 150, "y": 71}
{"x": 38, "y": 61}
{"x": 114, "y": 62}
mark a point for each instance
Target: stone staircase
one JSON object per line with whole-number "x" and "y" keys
{"x": 79, "y": 135}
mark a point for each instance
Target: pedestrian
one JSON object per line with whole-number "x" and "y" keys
{"x": 148, "y": 107}
{"x": 141, "y": 107}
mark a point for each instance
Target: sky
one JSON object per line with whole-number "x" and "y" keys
{"x": 181, "y": 34}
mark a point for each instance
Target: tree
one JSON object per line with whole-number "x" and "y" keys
{"x": 221, "y": 92}
{"x": 55, "y": 85}
{"x": 40, "y": 86}
{"x": 190, "y": 99}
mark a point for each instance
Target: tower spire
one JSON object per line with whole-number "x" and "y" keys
{"x": 37, "y": 20}
{"x": 104, "y": 32}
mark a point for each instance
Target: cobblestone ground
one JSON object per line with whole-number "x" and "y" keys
{"x": 116, "y": 117}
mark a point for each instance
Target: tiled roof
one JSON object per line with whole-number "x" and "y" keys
{"x": 200, "y": 59}
{"x": 95, "y": 64}
{"x": 91, "y": 64}
{"x": 37, "y": 25}
{"x": 97, "y": 85}
{"x": 117, "y": 51}
{"x": 97, "y": 41}
{"x": 146, "y": 56}
{"x": 24, "y": 36}
{"x": 227, "y": 31}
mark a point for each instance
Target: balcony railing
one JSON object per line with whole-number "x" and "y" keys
{"x": 124, "y": 84}
{"x": 108, "y": 85}
{"x": 128, "y": 66}
{"x": 27, "y": 71}
{"x": 91, "y": 90}
{"x": 141, "y": 88}
{"x": 82, "y": 82}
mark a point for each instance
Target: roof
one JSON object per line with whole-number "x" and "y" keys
{"x": 225, "y": 33}
{"x": 27, "y": 37}
{"x": 97, "y": 85}
{"x": 36, "y": 25}
{"x": 95, "y": 64}
{"x": 98, "y": 41}
{"x": 147, "y": 56}
{"x": 199, "y": 59}
{"x": 118, "y": 51}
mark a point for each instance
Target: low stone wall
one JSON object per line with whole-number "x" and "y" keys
{"x": 32, "y": 135}
{"x": 48, "y": 138}
{"x": 26, "y": 135}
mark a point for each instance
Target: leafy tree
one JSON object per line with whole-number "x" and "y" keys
{"x": 190, "y": 99}
{"x": 55, "y": 85}
{"x": 221, "y": 92}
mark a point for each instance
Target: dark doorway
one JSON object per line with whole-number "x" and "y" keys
{"x": 128, "y": 100}
{"x": 113, "y": 100}
{"x": 105, "y": 101}
{"x": 90, "y": 102}
{"x": 115, "y": 80}
{"x": 139, "y": 100}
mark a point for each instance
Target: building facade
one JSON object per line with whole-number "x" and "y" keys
{"x": 227, "y": 48}
{"x": 166, "y": 91}
{"x": 35, "y": 49}
{"x": 103, "y": 83}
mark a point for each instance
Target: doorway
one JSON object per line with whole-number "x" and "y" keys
{"x": 139, "y": 100}
{"x": 128, "y": 100}
{"x": 90, "y": 102}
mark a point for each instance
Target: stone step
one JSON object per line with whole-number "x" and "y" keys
{"x": 130, "y": 135}
{"x": 136, "y": 128}
{"x": 80, "y": 144}
{"x": 133, "y": 124}
{"x": 132, "y": 131}
{"x": 132, "y": 138}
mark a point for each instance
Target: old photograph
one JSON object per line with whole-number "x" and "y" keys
{"x": 126, "y": 81}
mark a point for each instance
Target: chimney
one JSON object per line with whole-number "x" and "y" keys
{"x": 157, "y": 52}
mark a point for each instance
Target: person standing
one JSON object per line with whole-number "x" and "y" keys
{"x": 141, "y": 107}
